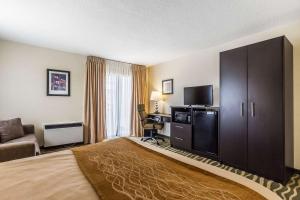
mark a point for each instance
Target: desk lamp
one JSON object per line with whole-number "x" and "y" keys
{"x": 155, "y": 96}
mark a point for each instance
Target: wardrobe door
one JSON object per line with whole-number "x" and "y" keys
{"x": 233, "y": 107}
{"x": 265, "y": 116}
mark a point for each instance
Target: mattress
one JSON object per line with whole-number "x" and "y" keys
{"x": 57, "y": 176}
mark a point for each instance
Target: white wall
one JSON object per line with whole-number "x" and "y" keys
{"x": 202, "y": 68}
{"x": 23, "y": 84}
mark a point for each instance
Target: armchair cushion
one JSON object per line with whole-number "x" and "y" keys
{"x": 11, "y": 129}
{"x": 148, "y": 126}
{"x": 155, "y": 125}
{"x": 27, "y": 138}
{"x": 17, "y": 150}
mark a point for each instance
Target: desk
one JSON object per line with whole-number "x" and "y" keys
{"x": 164, "y": 118}
{"x": 161, "y": 117}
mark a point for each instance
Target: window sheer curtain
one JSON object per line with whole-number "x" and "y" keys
{"x": 118, "y": 98}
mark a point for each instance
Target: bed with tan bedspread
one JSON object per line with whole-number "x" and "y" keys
{"x": 122, "y": 169}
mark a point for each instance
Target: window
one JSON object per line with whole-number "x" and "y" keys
{"x": 118, "y": 98}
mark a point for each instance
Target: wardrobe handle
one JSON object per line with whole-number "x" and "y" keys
{"x": 252, "y": 105}
{"x": 177, "y": 138}
{"x": 178, "y": 126}
{"x": 242, "y": 109}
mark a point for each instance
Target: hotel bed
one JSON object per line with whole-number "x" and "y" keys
{"x": 122, "y": 168}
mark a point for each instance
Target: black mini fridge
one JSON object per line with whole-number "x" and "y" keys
{"x": 205, "y": 132}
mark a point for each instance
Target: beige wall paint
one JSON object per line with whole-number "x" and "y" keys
{"x": 23, "y": 84}
{"x": 202, "y": 68}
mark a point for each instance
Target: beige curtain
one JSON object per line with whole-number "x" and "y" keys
{"x": 139, "y": 96}
{"x": 94, "y": 101}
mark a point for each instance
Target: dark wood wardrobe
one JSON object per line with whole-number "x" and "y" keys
{"x": 256, "y": 108}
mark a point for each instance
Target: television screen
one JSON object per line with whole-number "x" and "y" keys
{"x": 200, "y": 95}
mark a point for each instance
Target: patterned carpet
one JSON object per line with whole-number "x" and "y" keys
{"x": 290, "y": 191}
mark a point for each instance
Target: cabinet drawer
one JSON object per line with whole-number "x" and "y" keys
{"x": 181, "y": 136}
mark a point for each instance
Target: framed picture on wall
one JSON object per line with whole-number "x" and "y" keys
{"x": 58, "y": 82}
{"x": 167, "y": 86}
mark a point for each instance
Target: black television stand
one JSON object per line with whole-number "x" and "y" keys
{"x": 195, "y": 129}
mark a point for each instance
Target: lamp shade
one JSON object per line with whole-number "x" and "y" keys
{"x": 155, "y": 96}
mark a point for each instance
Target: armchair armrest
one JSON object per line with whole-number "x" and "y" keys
{"x": 28, "y": 128}
{"x": 16, "y": 150}
{"x": 149, "y": 120}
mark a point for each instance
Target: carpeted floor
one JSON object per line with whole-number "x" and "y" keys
{"x": 290, "y": 191}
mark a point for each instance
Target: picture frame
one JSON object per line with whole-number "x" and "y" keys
{"x": 167, "y": 86}
{"x": 58, "y": 82}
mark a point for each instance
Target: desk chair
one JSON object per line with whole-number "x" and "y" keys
{"x": 149, "y": 124}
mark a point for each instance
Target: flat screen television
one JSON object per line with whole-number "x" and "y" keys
{"x": 199, "y": 95}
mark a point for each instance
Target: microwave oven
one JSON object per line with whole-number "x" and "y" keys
{"x": 182, "y": 117}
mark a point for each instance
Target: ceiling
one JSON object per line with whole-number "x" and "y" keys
{"x": 138, "y": 31}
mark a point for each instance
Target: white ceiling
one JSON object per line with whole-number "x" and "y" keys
{"x": 138, "y": 31}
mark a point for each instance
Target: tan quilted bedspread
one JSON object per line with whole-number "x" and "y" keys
{"x": 121, "y": 169}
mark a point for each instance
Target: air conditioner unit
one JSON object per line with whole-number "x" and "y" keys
{"x": 62, "y": 133}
